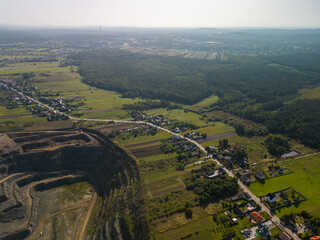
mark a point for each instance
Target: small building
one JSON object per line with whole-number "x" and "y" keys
{"x": 246, "y": 196}
{"x": 271, "y": 198}
{"x": 235, "y": 220}
{"x": 259, "y": 175}
{"x": 291, "y": 225}
{"x": 315, "y": 238}
{"x": 176, "y": 130}
{"x": 290, "y": 154}
{"x": 194, "y": 154}
{"x": 284, "y": 195}
{"x": 245, "y": 178}
{"x": 211, "y": 174}
{"x": 220, "y": 157}
{"x": 250, "y": 207}
{"x": 213, "y": 149}
{"x": 228, "y": 213}
{"x": 284, "y": 236}
{"x": 235, "y": 198}
{"x": 264, "y": 231}
{"x": 256, "y": 216}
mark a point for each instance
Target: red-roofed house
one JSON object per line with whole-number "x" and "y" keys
{"x": 256, "y": 216}
{"x": 315, "y": 238}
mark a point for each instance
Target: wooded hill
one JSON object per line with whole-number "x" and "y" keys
{"x": 252, "y": 87}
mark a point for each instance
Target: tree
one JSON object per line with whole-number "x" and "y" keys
{"x": 188, "y": 213}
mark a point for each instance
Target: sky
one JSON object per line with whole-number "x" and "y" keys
{"x": 162, "y": 13}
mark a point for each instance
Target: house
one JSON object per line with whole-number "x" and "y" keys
{"x": 235, "y": 220}
{"x": 271, "y": 198}
{"x": 228, "y": 213}
{"x": 284, "y": 236}
{"x": 176, "y": 130}
{"x": 245, "y": 178}
{"x": 251, "y": 207}
{"x": 259, "y": 175}
{"x": 212, "y": 174}
{"x": 315, "y": 238}
{"x": 194, "y": 154}
{"x": 284, "y": 195}
{"x": 220, "y": 157}
{"x": 213, "y": 149}
{"x": 287, "y": 202}
{"x": 246, "y": 196}
{"x": 228, "y": 161}
{"x": 235, "y": 198}
{"x": 291, "y": 225}
{"x": 256, "y": 216}
{"x": 264, "y": 231}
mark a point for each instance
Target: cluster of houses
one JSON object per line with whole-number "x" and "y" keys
{"x": 194, "y": 135}
{"x": 18, "y": 99}
{"x": 52, "y": 115}
{"x": 158, "y": 120}
{"x": 225, "y": 156}
{"x": 6, "y": 83}
{"x": 183, "y": 144}
{"x": 245, "y": 176}
{"x": 57, "y": 103}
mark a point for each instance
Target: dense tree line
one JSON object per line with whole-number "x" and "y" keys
{"x": 251, "y": 87}
{"x": 209, "y": 190}
{"x": 277, "y": 145}
{"x": 299, "y": 120}
{"x": 150, "y": 104}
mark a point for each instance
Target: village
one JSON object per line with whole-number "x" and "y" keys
{"x": 59, "y": 104}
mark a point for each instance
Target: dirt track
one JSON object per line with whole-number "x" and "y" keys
{"x": 83, "y": 224}
{"x": 45, "y": 219}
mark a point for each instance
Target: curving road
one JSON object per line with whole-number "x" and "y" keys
{"x": 274, "y": 218}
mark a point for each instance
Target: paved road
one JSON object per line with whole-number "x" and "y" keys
{"x": 275, "y": 219}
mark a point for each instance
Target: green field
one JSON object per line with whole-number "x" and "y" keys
{"x": 142, "y": 139}
{"x": 100, "y": 104}
{"x": 309, "y": 93}
{"x": 203, "y": 227}
{"x": 33, "y": 70}
{"x": 205, "y": 103}
{"x": 19, "y": 115}
{"x": 305, "y": 179}
{"x": 256, "y": 149}
{"x": 218, "y": 128}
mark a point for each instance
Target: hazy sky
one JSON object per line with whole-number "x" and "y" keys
{"x": 162, "y": 13}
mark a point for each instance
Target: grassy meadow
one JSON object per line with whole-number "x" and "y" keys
{"x": 305, "y": 179}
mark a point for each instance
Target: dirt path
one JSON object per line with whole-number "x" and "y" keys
{"x": 45, "y": 219}
{"x": 29, "y": 199}
{"x": 10, "y": 176}
{"x": 83, "y": 223}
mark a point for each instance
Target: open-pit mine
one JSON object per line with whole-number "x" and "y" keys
{"x": 72, "y": 184}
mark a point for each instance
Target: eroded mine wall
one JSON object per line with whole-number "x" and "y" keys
{"x": 119, "y": 210}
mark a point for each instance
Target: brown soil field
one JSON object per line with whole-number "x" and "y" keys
{"x": 217, "y": 137}
{"x": 116, "y": 127}
{"x": 137, "y": 145}
{"x": 145, "y": 152}
{"x": 180, "y": 187}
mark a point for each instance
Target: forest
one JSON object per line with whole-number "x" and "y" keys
{"x": 252, "y": 87}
